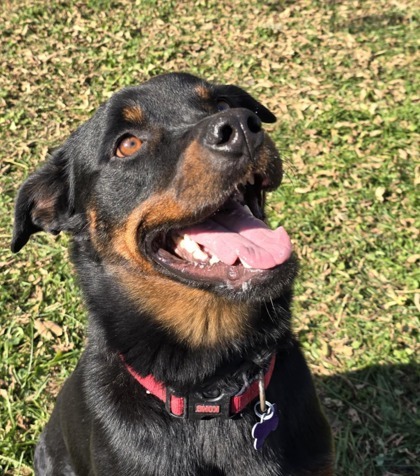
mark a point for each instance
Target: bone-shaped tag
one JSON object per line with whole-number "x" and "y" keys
{"x": 268, "y": 423}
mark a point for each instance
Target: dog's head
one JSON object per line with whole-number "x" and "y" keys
{"x": 166, "y": 185}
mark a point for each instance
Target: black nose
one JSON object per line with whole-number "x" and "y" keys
{"x": 235, "y": 132}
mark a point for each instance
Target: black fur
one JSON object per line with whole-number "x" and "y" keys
{"x": 104, "y": 423}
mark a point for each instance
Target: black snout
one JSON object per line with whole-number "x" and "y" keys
{"x": 235, "y": 132}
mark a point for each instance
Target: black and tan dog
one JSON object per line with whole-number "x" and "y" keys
{"x": 188, "y": 292}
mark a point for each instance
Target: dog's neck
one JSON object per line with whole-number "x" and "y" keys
{"x": 152, "y": 348}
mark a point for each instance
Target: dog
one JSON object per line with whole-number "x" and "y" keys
{"x": 191, "y": 367}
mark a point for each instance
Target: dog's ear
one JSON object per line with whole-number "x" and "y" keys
{"x": 237, "y": 97}
{"x": 43, "y": 202}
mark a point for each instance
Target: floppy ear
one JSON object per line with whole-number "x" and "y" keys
{"x": 237, "y": 97}
{"x": 43, "y": 202}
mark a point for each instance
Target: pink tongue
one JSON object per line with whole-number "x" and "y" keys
{"x": 234, "y": 234}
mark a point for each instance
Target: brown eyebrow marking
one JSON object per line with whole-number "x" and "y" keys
{"x": 133, "y": 114}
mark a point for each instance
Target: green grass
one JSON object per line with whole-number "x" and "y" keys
{"x": 342, "y": 78}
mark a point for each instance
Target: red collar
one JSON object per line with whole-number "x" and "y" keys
{"x": 196, "y": 406}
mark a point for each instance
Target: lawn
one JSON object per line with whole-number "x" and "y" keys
{"x": 342, "y": 78}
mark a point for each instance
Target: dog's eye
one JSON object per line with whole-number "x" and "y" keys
{"x": 222, "y": 105}
{"x": 129, "y": 145}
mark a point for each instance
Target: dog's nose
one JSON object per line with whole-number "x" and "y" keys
{"x": 234, "y": 132}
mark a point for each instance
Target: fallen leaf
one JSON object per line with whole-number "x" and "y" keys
{"x": 47, "y": 329}
{"x": 379, "y": 194}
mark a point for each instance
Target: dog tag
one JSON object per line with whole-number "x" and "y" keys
{"x": 269, "y": 421}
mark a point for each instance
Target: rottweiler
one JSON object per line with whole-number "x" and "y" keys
{"x": 191, "y": 367}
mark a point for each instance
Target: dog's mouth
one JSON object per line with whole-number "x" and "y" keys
{"x": 231, "y": 245}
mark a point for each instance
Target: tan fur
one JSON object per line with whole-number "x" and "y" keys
{"x": 93, "y": 221}
{"x": 197, "y": 317}
{"x": 133, "y": 114}
{"x": 327, "y": 471}
{"x": 203, "y": 92}
{"x": 269, "y": 161}
{"x": 122, "y": 241}
{"x": 44, "y": 210}
{"x": 195, "y": 182}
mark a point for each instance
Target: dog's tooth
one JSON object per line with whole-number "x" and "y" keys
{"x": 245, "y": 264}
{"x": 188, "y": 244}
{"x": 200, "y": 255}
{"x": 214, "y": 259}
{"x": 251, "y": 180}
{"x": 191, "y": 247}
{"x": 177, "y": 240}
{"x": 180, "y": 243}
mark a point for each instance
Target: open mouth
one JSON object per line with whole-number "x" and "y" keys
{"x": 230, "y": 246}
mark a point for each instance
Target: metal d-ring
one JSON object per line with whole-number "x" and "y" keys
{"x": 267, "y": 414}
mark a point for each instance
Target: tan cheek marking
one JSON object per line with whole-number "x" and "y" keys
{"x": 122, "y": 239}
{"x": 150, "y": 214}
{"x": 196, "y": 182}
{"x": 92, "y": 219}
{"x": 98, "y": 235}
{"x": 268, "y": 162}
{"x": 133, "y": 114}
{"x": 195, "y": 316}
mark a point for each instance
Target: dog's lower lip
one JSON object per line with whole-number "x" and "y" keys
{"x": 214, "y": 274}
{"x": 234, "y": 276}
{"x": 217, "y": 274}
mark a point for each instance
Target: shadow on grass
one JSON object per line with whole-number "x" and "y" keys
{"x": 366, "y": 23}
{"x": 373, "y": 413}
{"x": 374, "y": 22}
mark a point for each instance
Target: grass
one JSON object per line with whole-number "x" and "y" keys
{"x": 342, "y": 78}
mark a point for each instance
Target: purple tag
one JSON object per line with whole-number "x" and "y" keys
{"x": 268, "y": 423}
